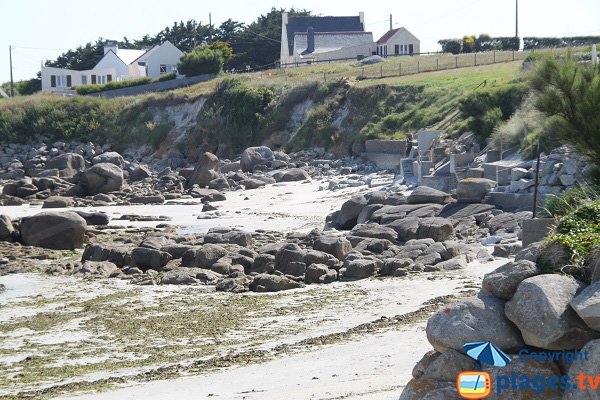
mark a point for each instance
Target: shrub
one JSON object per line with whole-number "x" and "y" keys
{"x": 569, "y": 93}
{"x": 166, "y": 77}
{"x": 559, "y": 205}
{"x": 87, "y": 89}
{"x": 579, "y": 232}
{"x": 487, "y": 108}
{"x": 201, "y": 60}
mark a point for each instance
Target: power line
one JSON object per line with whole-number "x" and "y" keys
{"x": 447, "y": 14}
{"x": 37, "y": 48}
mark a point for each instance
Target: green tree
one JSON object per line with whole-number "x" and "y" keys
{"x": 453, "y": 46}
{"x": 569, "y": 93}
{"x": 201, "y": 60}
{"x": 468, "y": 44}
{"x": 24, "y": 87}
{"x": 223, "y": 47}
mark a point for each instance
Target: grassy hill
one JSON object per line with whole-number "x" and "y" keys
{"x": 327, "y": 105}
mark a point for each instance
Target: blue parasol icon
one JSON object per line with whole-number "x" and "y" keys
{"x": 486, "y": 353}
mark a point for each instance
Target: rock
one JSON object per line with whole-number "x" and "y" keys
{"x": 406, "y": 228}
{"x": 98, "y": 269}
{"x": 263, "y": 264}
{"x": 145, "y": 258}
{"x": 203, "y": 256}
{"x": 69, "y": 165}
{"x": 540, "y": 309}
{"x": 110, "y": 157}
{"x": 206, "y": 170}
{"x": 447, "y": 365}
{"x": 587, "y": 305}
{"x": 57, "y": 202}
{"x": 176, "y": 250}
{"x": 292, "y": 175}
{"x": 587, "y": 367}
{"x": 427, "y": 195}
{"x": 273, "y": 283}
{"x": 287, "y": 254}
{"x": 518, "y": 173}
{"x": 506, "y": 222}
{"x": 253, "y": 156}
{"x": 319, "y": 273}
{"x": 180, "y": 276}
{"x": 54, "y": 230}
{"x": 458, "y": 262}
{"x": 503, "y": 281}
{"x": 396, "y": 266}
{"x": 359, "y": 268}
{"x": 101, "y": 178}
{"x": 375, "y": 231}
{"x": 438, "y": 229}
{"x": 529, "y": 253}
{"x": 139, "y": 173}
{"x": 219, "y": 183}
{"x": 153, "y": 199}
{"x": 336, "y": 246}
{"x": 478, "y": 319}
{"x": 94, "y": 218}
{"x": 7, "y": 230}
{"x": 233, "y": 285}
{"x": 348, "y": 214}
{"x": 525, "y": 371}
{"x": 426, "y": 389}
{"x": 119, "y": 255}
{"x": 473, "y": 190}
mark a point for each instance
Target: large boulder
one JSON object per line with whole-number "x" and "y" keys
{"x": 287, "y": 256}
{"x": 7, "y": 230}
{"x": 438, "y": 229}
{"x": 347, "y": 216}
{"x": 101, "y": 178}
{"x": 58, "y": 202}
{"x": 140, "y": 172}
{"x": 504, "y": 281}
{"x": 445, "y": 366}
{"x": 375, "y": 231}
{"x": 429, "y": 389}
{"x": 97, "y": 269}
{"x": 357, "y": 267}
{"x": 587, "y": 305}
{"x": 273, "y": 283}
{"x": 203, "y": 256}
{"x": 540, "y": 309}
{"x": 473, "y": 190}
{"x": 527, "y": 371}
{"x": 588, "y": 366}
{"x": 334, "y": 245}
{"x": 54, "y": 230}
{"x": 145, "y": 258}
{"x": 292, "y": 175}
{"x": 479, "y": 319}
{"x": 111, "y": 157}
{"x": 206, "y": 170}
{"x": 427, "y": 195}
{"x": 253, "y": 156}
{"x": 94, "y": 217}
{"x": 69, "y": 165}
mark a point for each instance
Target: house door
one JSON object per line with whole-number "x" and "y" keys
{"x": 93, "y": 79}
{"x": 397, "y": 49}
{"x": 410, "y": 49}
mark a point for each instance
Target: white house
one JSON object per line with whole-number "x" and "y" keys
{"x": 116, "y": 64}
{"x": 398, "y": 41}
{"x": 324, "y": 38}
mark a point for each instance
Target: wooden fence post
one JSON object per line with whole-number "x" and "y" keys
{"x": 456, "y": 60}
{"x": 475, "y": 59}
{"x": 418, "y": 66}
{"x": 400, "y": 69}
{"x": 494, "y": 57}
{"x": 513, "y": 55}
{"x": 381, "y": 71}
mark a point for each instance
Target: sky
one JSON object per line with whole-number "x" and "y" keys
{"x": 41, "y": 29}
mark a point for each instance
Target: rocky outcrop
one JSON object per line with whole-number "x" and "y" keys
{"x": 255, "y": 156}
{"x": 101, "y": 178}
{"x": 54, "y": 230}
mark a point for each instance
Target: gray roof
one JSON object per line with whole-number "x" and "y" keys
{"x": 321, "y": 24}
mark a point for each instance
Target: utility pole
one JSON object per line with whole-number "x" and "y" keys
{"x": 516, "y": 18}
{"x": 12, "y": 84}
{"x": 391, "y": 25}
{"x": 210, "y": 26}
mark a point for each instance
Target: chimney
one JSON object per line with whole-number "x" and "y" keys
{"x": 310, "y": 40}
{"x": 361, "y": 16}
{"x": 110, "y": 45}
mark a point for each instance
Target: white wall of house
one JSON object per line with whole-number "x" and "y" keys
{"x": 364, "y": 50}
{"x": 162, "y": 60}
{"x": 56, "y": 79}
{"x": 400, "y": 43}
{"x": 111, "y": 60}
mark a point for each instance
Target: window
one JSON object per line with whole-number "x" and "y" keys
{"x": 411, "y": 49}
{"x": 61, "y": 81}
{"x": 397, "y": 49}
{"x": 93, "y": 79}
{"x": 84, "y": 79}
{"x": 52, "y": 80}
{"x": 69, "y": 81}
{"x": 108, "y": 78}
{"x": 163, "y": 69}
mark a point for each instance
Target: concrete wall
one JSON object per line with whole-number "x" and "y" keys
{"x": 515, "y": 201}
{"x": 364, "y": 50}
